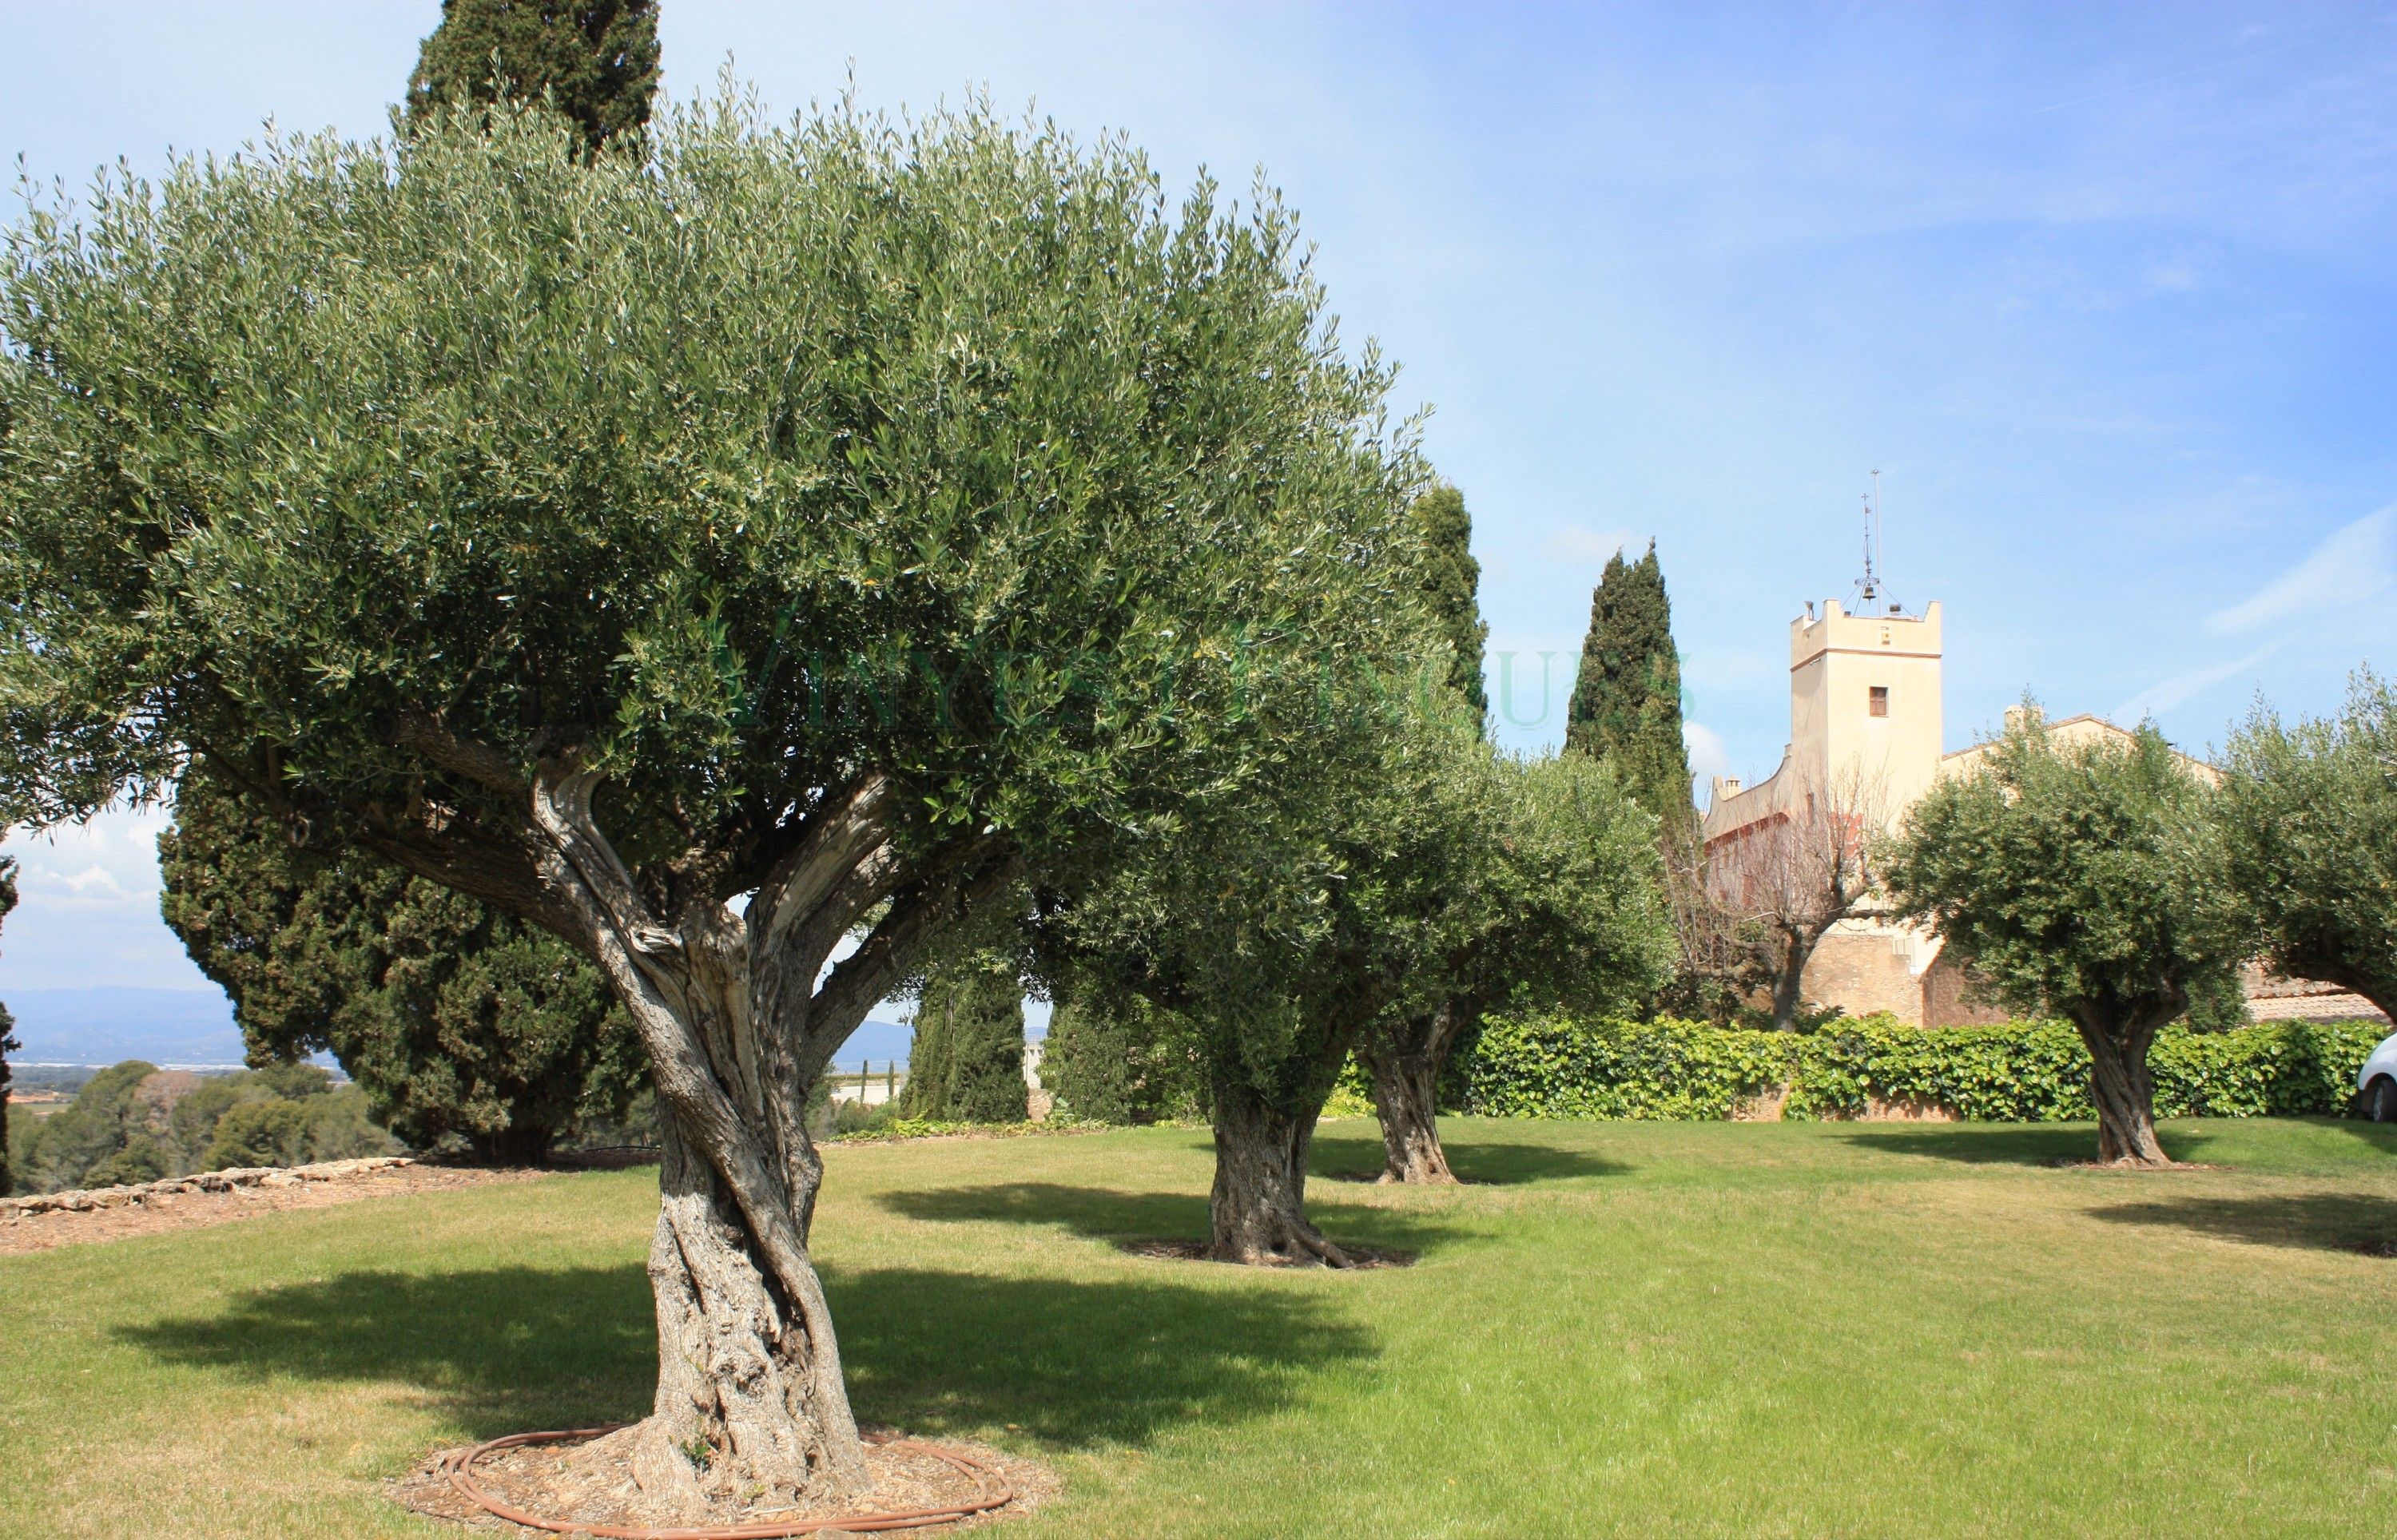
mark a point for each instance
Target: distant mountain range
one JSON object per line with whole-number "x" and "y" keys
{"x": 187, "y": 1028}
{"x": 194, "y": 1028}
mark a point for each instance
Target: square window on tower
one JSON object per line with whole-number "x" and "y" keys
{"x": 1879, "y": 700}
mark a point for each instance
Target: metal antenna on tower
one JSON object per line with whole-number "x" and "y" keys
{"x": 1870, "y": 587}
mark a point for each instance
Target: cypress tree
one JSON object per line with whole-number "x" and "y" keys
{"x": 1452, "y": 581}
{"x": 8, "y": 1023}
{"x": 454, "y": 1019}
{"x": 966, "y": 1064}
{"x": 1626, "y": 700}
{"x": 597, "y": 58}
{"x": 1122, "y": 1061}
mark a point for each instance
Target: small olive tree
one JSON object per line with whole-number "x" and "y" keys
{"x": 1551, "y": 898}
{"x": 850, "y": 519}
{"x": 2309, "y": 823}
{"x": 2086, "y": 883}
{"x": 1272, "y": 976}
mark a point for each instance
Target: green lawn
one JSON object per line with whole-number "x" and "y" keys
{"x": 1748, "y": 1329}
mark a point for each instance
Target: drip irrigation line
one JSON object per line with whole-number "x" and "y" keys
{"x": 992, "y": 1492}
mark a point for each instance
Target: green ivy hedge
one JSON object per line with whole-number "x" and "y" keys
{"x": 2025, "y": 1071}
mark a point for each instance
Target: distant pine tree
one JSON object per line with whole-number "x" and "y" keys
{"x": 1452, "y": 582}
{"x": 597, "y": 58}
{"x": 8, "y": 1024}
{"x": 1626, "y": 700}
{"x": 966, "y": 1064}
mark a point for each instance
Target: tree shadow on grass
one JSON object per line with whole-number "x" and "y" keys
{"x": 1072, "y": 1363}
{"x": 1982, "y": 1143}
{"x": 1101, "y": 1213}
{"x": 1351, "y": 1158}
{"x": 2322, "y": 1221}
{"x": 2063, "y": 1144}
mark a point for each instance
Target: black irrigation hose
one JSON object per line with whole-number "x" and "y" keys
{"x": 460, "y": 1466}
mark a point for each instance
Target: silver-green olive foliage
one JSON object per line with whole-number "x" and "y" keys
{"x": 2309, "y": 818}
{"x": 776, "y": 455}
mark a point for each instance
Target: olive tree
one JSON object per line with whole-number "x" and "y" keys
{"x": 2086, "y": 883}
{"x": 1271, "y": 980}
{"x": 2309, "y": 820}
{"x": 1550, "y": 895}
{"x": 789, "y": 534}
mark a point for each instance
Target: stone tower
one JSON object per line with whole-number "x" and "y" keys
{"x": 1864, "y": 703}
{"x": 1864, "y": 717}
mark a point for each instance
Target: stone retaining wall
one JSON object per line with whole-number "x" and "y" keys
{"x": 81, "y": 1199}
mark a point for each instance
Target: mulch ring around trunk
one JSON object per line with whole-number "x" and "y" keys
{"x": 917, "y": 1485}
{"x": 1361, "y": 1258}
{"x": 1373, "y": 1178}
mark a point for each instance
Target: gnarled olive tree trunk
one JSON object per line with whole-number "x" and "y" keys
{"x": 1257, "y": 1211}
{"x": 1405, "y": 1056}
{"x": 751, "y": 1408}
{"x": 2126, "y": 1095}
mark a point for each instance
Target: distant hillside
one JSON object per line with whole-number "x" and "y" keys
{"x": 877, "y": 1041}
{"x": 103, "y": 1025}
{"x": 194, "y": 1026}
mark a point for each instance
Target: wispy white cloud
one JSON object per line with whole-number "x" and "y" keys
{"x": 92, "y": 882}
{"x": 2356, "y": 565}
{"x": 1574, "y": 543}
{"x": 2166, "y": 694}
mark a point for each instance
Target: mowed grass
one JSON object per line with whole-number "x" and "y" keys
{"x": 1646, "y": 1328}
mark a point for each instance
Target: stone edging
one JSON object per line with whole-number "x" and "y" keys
{"x": 84, "y": 1199}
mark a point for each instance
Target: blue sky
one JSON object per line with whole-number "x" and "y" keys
{"x": 2104, "y": 292}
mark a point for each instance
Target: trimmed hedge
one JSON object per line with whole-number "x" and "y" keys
{"x": 2028, "y": 1071}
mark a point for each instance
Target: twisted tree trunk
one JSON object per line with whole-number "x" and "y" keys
{"x": 1257, "y": 1212}
{"x": 2125, "y": 1096}
{"x": 1405, "y": 1100}
{"x": 750, "y": 1409}
{"x": 1405, "y": 1056}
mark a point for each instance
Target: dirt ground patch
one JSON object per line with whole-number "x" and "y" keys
{"x": 158, "y": 1212}
{"x": 548, "y": 1480}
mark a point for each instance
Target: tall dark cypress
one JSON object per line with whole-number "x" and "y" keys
{"x": 1452, "y": 581}
{"x": 7, "y": 1024}
{"x": 966, "y": 1064}
{"x": 1626, "y": 700}
{"x": 597, "y": 58}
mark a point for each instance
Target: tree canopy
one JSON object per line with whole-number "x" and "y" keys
{"x": 1269, "y": 948}
{"x": 1626, "y": 700}
{"x": 2309, "y": 818}
{"x": 594, "y": 60}
{"x": 966, "y": 1062}
{"x": 2086, "y": 883}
